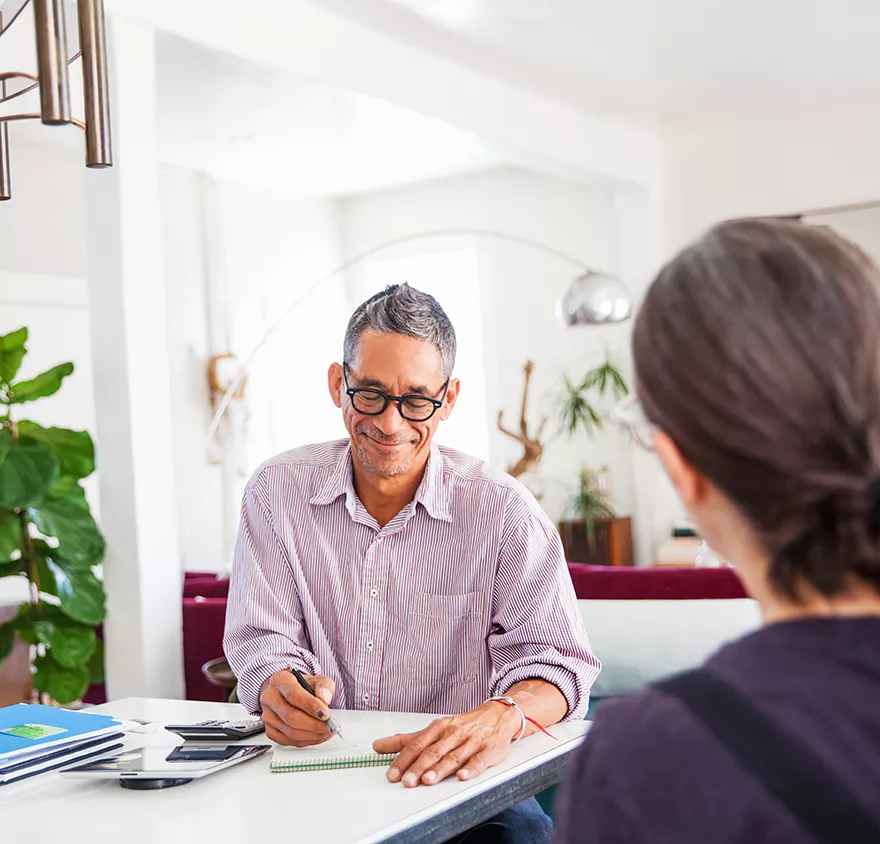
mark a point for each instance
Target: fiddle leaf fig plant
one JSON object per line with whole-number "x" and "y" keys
{"x": 47, "y": 534}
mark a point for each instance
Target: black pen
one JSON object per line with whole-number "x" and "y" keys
{"x": 334, "y": 727}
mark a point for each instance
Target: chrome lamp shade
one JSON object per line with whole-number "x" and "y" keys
{"x": 594, "y": 299}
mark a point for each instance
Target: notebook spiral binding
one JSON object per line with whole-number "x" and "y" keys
{"x": 371, "y": 761}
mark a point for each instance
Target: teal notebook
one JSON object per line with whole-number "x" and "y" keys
{"x": 353, "y": 751}
{"x": 28, "y": 728}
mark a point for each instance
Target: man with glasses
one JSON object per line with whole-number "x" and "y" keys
{"x": 399, "y": 575}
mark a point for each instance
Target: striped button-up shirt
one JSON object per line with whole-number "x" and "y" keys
{"x": 462, "y": 594}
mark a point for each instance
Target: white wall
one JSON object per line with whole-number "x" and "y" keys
{"x": 198, "y": 482}
{"x": 41, "y": 227}
{"x": 518, "y": 289}
{"x": 861, "y": 226}
{"x": 777, "y": 167}
{"x": 274, "y": 248}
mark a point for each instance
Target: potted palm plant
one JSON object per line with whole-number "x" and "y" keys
{"x": 591, "y": 531}
{"x": 48, "y": 535}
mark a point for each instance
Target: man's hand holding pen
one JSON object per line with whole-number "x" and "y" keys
{"x": 293, "y": 716}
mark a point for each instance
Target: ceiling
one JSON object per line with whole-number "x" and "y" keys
{"x": 676, "y": 62}
{"x": 254, "y": 124}
{"x": 246, "y": 122}
{"x": 644, "y": 61}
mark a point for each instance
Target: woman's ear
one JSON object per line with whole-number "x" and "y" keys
{"x": 690, "y": 485}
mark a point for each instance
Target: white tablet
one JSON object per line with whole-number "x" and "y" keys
{"x": 189, "y": 761}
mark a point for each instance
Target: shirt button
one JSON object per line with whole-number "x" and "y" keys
{"x": 369, "y": 646}
{"x": 374, "y": 592}
{"x": 366, "y": 698}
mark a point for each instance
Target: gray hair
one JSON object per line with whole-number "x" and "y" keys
{"x": 401, "y": 309}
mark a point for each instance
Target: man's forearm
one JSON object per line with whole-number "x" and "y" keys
{"x": 540, "y": 700}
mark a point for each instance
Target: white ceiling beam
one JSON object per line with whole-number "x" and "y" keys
{"x": 325, "y": 46}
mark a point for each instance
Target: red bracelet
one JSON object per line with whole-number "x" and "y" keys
{"x": 533, "y": 721}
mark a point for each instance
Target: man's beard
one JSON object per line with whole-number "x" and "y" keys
{"x": 366, "y": 460}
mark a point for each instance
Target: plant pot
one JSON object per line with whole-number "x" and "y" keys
{"x": 611, "y": 546}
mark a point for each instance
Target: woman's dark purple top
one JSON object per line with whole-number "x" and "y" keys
{"x": 650, "y": 772}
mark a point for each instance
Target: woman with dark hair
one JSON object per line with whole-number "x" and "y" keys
{"x": 757, "y": 356}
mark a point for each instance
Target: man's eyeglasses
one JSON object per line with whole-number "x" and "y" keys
{"x": 370, "y": 402}
{"x": 630, "y": 416}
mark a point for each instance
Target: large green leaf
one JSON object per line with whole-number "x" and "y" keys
{"x": 7, "y": 639}
{"x": 46, "y": 575}
{"x": 10, "y": 534}
{"x": 28, "y": 472}
{"x": 80, "y": 593}
{"x": 45, "y": 384}
{"x": 71, "y": 643}
{"x": 96, "y": 664}
{"x": 14, "y": 339}
{"x": 64, "y": 514}
{"x": 63, "y": 685}
{"x": 75, "y": 449}
{"x": 12, "y": 352}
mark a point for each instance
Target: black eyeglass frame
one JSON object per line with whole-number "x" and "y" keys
{"x": 351, "y": 392}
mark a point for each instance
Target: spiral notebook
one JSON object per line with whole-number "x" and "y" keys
{"x": 353, "y": 751}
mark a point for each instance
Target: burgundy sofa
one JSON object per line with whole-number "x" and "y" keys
{"x": 657, "y": 584}
{"x": 204, "y": 617}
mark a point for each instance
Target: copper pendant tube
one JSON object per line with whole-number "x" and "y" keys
{"x": 52, "y": 61}
{"x": 93, "y": 43}
{"x": 5, "y": 188}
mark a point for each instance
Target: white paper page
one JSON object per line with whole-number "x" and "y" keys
{"x": 360, "y": 730}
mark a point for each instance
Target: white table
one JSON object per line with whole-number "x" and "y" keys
{"x": 247, "y": 803}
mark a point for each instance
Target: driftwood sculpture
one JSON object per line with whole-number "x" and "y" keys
{"x": 532, "y": 447}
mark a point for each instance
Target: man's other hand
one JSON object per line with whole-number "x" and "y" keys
{"x": 464, "y": 744}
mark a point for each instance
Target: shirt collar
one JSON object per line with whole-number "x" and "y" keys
{"x": 339, "y": 481}
{"x": 431, "y": 494}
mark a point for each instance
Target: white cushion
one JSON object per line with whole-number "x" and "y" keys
{"x": 640, "y": 642}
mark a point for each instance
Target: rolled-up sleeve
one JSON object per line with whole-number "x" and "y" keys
{"x": 537, "y": 631}
{"x": 264, "y": 627}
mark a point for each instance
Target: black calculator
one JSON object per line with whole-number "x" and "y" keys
{"x": 218, "y": 730}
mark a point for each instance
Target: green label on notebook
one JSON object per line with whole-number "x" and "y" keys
{"x": 33, "y": 731}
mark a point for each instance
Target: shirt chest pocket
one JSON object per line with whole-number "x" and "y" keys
{"x": 446, "y": 635}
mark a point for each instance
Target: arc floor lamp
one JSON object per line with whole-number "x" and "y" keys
{"x": 592, "y": 298}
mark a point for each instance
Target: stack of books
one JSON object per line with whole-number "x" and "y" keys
{"x": 35, "y": 739}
